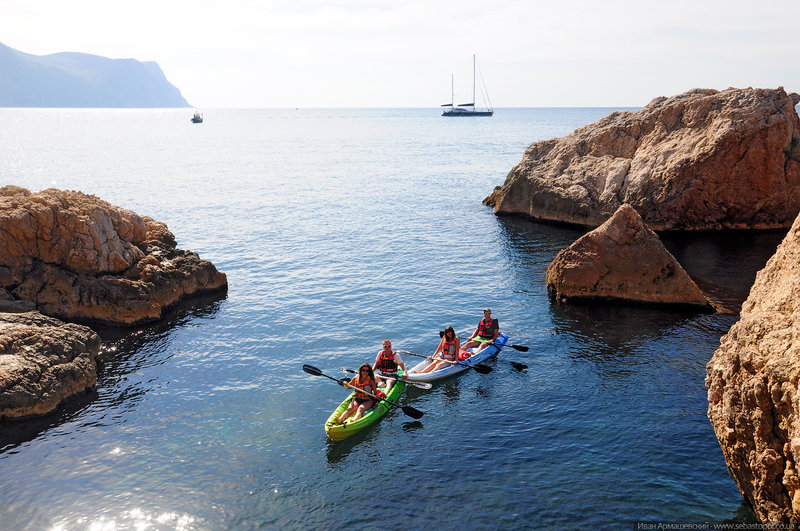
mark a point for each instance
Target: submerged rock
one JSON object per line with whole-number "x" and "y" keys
{"x": 622, "y": 259}
{"x": 42, "y": 362}
{"x": 753, "y": 396}
{"x": 702, "y": 160}
{"x": 79, "y": 258}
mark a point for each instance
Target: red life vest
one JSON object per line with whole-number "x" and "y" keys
{"x": 360, "y": 388}
{"x": 449, "y": 349}
{"x": 386, "y": 364}
{"x": 487, "y": 328}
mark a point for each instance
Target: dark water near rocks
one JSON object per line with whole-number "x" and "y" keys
{"x": 337, "y": 229}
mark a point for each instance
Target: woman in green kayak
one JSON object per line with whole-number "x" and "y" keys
{"x": 447, "y": 350}
{"x": 364, "y": 381}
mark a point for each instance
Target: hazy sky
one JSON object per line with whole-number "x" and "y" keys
{"x": 397, "y": 53}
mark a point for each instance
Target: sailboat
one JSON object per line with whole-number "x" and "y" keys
{"x": 467, "y": 109}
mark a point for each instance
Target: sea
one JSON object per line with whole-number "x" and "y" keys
{"x": 337, "y": 229}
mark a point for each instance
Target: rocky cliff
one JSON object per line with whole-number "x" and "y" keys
{"x": 79, "y": 258}
{"x": 82, "y": 80}
{"x": 622, "y": 260}
{"x": 702, "y": 160}
{"x": 753, "y": 395}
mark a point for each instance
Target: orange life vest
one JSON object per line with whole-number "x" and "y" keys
{"x": 449, "y": 349}
{"x": 361, "y": 387}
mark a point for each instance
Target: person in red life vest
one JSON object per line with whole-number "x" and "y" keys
{"x": 386, "y": 364}
{"x": 364, "y": 381}
{"x": 487, "y": 331}
{"x": 447, "y": 350}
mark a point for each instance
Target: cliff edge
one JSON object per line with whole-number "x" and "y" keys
{"x": 72, "y": 79}
{"x": 753, "y": 395}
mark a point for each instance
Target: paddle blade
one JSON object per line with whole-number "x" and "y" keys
{"x": 310, "y": 369}
{"x": 519, "y": 366}
{"x": 521, "y": 348}
{"x": 412, "y": 412}
{"x": 483, "y": 369}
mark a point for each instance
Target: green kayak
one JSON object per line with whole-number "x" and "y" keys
{"x": 339, "y": 432}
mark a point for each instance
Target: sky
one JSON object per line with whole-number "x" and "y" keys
{"x": 399, "y": 53}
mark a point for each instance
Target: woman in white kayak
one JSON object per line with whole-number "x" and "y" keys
{"x": 386, "y": 364}
{"x": 487, "y": 331}
{"x": 447, "y": 350}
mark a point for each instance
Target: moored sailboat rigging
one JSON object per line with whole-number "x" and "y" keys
{"x": 468, "y": 109}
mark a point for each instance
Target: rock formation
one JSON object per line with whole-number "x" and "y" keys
{"x": 42, "y": 362}
{"x": 79, "y": 258}
{"x": 753, "y": 396}
{"x": 703, "y": 160}
{"x": 622, "y": 259}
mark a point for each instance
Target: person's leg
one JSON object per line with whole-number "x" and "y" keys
{"x": 347, "y": 411}
{"x": 471, "y": 343}
{"x": 361, "y": 409}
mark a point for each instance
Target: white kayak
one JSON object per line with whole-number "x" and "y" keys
{"x": 415, "y": 373}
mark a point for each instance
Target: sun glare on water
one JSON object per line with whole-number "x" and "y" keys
{"x": 135, "y": 519}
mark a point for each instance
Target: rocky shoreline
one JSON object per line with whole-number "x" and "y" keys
{"x": 703, "y": 160}
{"x": 69, "y": 256}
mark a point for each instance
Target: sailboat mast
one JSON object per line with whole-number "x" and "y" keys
{"x": 452, "y": 92}
{"x": 473, "y": 82}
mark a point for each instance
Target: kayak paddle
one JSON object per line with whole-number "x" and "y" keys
{"x": 483, "y": 369}
{"x": 521, "y": 348}
{"x": 421, "y": 385}
{"x": 408, "y": 410}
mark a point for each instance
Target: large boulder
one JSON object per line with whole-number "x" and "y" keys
{"x": 753, "y": 397}
{"x": 42, "y": 362}
{"x": 79, "y": 258}
{"x": 703, "y": 160}
{"x": 622, "y": 259}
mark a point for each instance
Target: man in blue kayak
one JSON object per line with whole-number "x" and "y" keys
{"x": 486, "y": 332}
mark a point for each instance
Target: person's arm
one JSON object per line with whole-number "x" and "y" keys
{"x": 438, "y": 349}
{"x": 349, "y": 384}
{"x": 475, "y": 333}
{"x": 496, "y": 329}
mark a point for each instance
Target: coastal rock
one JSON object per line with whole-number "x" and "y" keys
{"x": 42, "y": 362}
{"x": 702, "y": 160}
{"x": 622, "y": 259}
{"x": 753, "y": 395}
{"x": 79, "y": 258}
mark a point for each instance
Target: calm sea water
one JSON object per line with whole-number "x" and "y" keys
{"x": 337, "y": 229}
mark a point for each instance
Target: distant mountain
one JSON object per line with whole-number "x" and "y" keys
{"x": 81, "y": 80}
